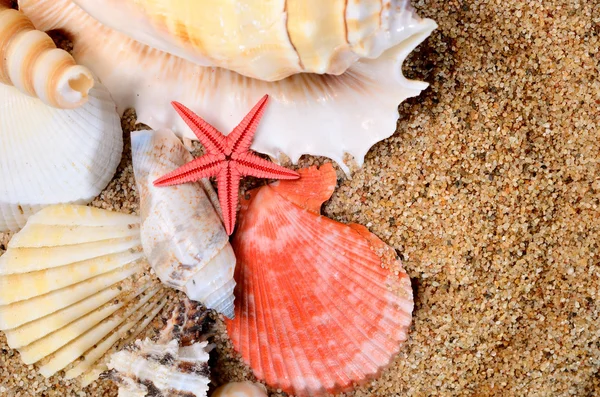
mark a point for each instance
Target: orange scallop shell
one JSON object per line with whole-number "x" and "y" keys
{"x": 320, "y": 306}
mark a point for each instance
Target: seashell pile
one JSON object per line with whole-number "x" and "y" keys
{"x": 74, "y": 282}
{"x": 53, "y": 156}
{"x": 364, "y": 98}
{"x": 174, "y": 364}
{"x": 321, "y": 305}
{"x": 182, "y": 233}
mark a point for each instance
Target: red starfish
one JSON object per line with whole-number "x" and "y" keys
{"x": 227, "y": 157}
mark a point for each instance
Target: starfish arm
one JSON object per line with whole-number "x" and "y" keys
{"x": 240, "y": 139}
{"x": 203, "y": 167}
{"x": 228, "y": 185}
{"x": 212, "y": 139}
{"x": 249, "y": 164}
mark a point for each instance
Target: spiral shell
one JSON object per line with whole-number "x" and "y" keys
{"x": 182, "y": 233}
{"x": 33, "y": 64}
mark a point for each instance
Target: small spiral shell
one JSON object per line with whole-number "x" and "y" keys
{"x": 32, "y": 63}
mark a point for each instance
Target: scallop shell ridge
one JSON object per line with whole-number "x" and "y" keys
{"x": 339, "y": 303}
{"x": 73, "y": 283}
{"x": 53, "y": 156}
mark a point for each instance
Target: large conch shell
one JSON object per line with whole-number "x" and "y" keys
{"x": 73, "y": 283}
{"x": 32, "y": 63}
{"x": 266, "y": 40}
{"x": 52, "y": 156}
{"x": 321, "y": 306}
{"x": 182, "y": 234}
{"x": 324, "y": 115}
{"x": 175, "y": 363}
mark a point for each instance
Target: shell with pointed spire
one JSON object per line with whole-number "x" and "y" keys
{"x": 323, "y": 115}
{"x": 73, "y": 283}
{"x": 175, "y": 363}
{"x": 33, "y": 64}
{"x": 182, "y": 232}
{"x": 53, "y": 156}
{"x": 321, "y": 306}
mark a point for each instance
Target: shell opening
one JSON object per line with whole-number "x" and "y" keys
{"x": 82, "y": 84}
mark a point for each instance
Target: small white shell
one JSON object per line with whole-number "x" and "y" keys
{"x": 74, "y": 282}
{"x": 175, "y": 364}
{"x": 182, "y": 234}
{"x": 240, "y": 389}
{"x": 52, "y": 156}
{"x": 33, "y": 64}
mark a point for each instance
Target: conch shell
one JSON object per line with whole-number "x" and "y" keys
{"x": 32, "y": 63}
{"x": 323, "y": 115}
{"x": 266, "y": 40}
{"x": 182, "y": 234}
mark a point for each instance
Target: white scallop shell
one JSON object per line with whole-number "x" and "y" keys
{"x": 322, "y": 115}
{"x": 74, "y": 282}
{"x": 175, "y": 364}
{"x": 182, "y": 234}
{"x": 52, "y": 156}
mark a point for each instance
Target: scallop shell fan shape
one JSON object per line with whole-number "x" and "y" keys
{"x": 320, "y": 306}
{"x": 54, "y": 156}
{"x": 74, "y": 283}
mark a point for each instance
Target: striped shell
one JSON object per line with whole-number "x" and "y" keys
{"x": 321, "y": 306}
{"x": 33, "y": 64}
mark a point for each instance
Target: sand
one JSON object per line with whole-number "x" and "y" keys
{"x": 489, "y": 191}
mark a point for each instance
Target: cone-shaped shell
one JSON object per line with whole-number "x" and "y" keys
{"x": 267, "y": 40}
{"x": 182, "y": 234}
{"x": 321, "y": 305}
{"x": 322, "y": 115}
{"x": 73, "y": 282}
{"x": 52, "y": 156}
{"x": 174, "y": 364}
{"x": 32, "y": 63}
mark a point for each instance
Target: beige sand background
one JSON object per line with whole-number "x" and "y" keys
{"x": 489, "y": 191}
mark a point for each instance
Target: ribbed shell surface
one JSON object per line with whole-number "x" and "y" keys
{"x": 52, "y": 156}
{"x": 321, "y": 305}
